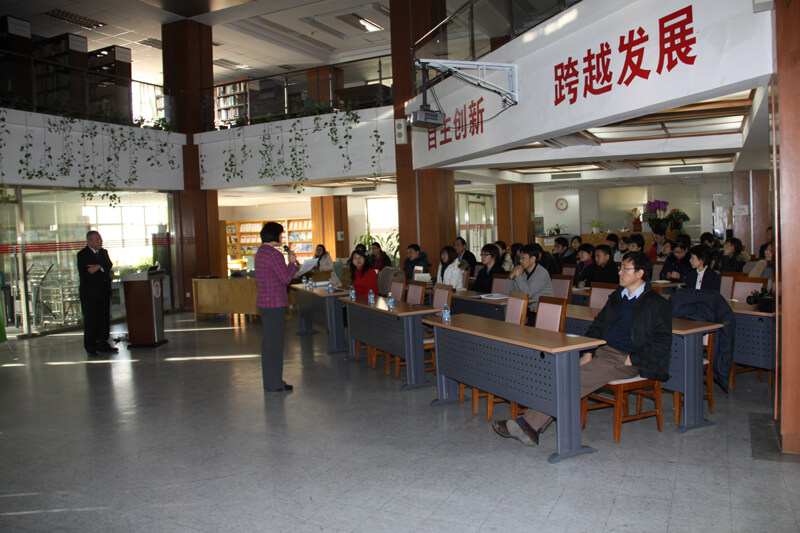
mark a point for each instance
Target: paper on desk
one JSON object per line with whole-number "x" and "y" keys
{"x": 494, "y": 296}
{"x": 308, "y": 264}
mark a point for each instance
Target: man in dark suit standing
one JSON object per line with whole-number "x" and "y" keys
{"x": 94, "y": 270}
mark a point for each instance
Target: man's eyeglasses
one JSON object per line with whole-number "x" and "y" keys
{"x": 625, "y": 268}
{"x": 485, "y": 255}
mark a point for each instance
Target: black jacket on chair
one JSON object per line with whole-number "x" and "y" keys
{"x": 710, "y": 306}
{"x": 651, "y": 331}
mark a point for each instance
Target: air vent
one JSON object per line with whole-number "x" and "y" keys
{"x": 462, "y": 182}
{"x": 72, "y": 18}
{"x": 681, "y": 170}
{"x": 287, "y": 67}
{"x": 227, "y": 63}
{"x": 152, "y": 43}
{"x": 565, "y": 176}
{"x": 364, "y": 189}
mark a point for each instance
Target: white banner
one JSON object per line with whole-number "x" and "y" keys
{"x": 599, "y": 63}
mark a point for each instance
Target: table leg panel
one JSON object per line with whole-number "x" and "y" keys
{"x": 754, "y": 344}
{"x": 311, "y": 309}
{"x": 575, "y": 326}
{"x": 384, "y": 331}
{"x": 469, "y": 307}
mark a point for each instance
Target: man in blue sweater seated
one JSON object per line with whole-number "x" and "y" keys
{"x": 636, "y": 324}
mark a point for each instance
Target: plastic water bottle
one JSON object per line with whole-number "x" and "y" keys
{"x": 446, "y": 314}
{"x": 390, "y": 301}
{"x": 352, "y": 292}
{"x": 305, "y": 283}
{"x": 330, "y": 286}
{"x": 371, "y": 298}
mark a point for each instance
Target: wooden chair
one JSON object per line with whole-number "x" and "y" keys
{"x": 499, "y": 283}
{"x": 657, "y": 268}
{"x": 385, "y": 277}
{"x": 562, "y": 286}
{"x": 465, "y": 278}
{"x": 516, "y": 313}
{"x": 726, "y": 283}
{"x": 568, "y": 271}
{"x": 477, "y": 269}
{"x": 398, "y": 288}
{"x": 415, "y": 295}
{"x": 744, "y": 287}
{"x": 599, "y": 293}
{"x": 442, "y": 294}
{"x": 550, "y": 315}
{"x": 621, "y": 389}
{"x": 749, "y": 266}
{"x": 708, "y": 376}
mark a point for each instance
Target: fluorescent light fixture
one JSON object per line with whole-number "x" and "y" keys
{"x": 213, "y": 357}
{"x": 92, "y": 362}
{"x": 369, "y": 25}
{"x": 78, "y": 20}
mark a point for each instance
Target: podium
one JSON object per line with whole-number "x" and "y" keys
{"x": 144, "y": 306}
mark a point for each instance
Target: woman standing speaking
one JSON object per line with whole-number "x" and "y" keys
{"x": 272, "y": 277}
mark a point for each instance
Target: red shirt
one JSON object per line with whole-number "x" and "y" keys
{"x": 364, "y": 280}
{"x": 272, "y": 277}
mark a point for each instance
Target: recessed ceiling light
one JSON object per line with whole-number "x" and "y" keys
{"x": 369, "y": 25}
{"x": 72, "y": 18}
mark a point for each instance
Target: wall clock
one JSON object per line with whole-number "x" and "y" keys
{"x": 561, "y": 204}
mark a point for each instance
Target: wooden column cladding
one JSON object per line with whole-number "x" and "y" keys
{"x": 188, "y": 85}
{"x": 787, "y": 19}
{"x": 329, "y": 217}
{"x": 752, "y": 188}
{"x": 515, "y": 213}
{"x": 426, "y": 198}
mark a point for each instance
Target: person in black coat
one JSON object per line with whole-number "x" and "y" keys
{"x": 699, "y": 258}
{"x": 676, "y": 266}
{"x": 94, "y": 272}
{"x": 584, "y": 272}
{"x": 605, "y": 270}
{"x": 490, "y": 257}
{"x": 464, "y": 254}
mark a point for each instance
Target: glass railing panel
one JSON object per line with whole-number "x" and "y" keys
{"x": 362, "y": 84}
{"x": 492, "y": 25}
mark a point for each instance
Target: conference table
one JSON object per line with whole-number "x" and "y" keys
{"x": 686, "y": 361}
{"x": 473, "y": 303}
{"x": 536, "y": 368}
{"x": 316, "y": 305}
{"x": 398, "y": 332}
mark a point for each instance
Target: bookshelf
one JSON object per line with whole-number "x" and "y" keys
{"x": 231, "y": 101}
{"x": 110, "y": 82}
{"x": 243, "y": 237}
{"x": 15, "y": 69}
{"x": 60, "y": 77}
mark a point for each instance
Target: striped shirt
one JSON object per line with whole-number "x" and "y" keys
{"x": 272, "y": 277}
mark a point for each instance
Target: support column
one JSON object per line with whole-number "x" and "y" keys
{"x": 752, "y": 188}
{"x": 787, "y": 19}
{"x": 515, "y": 213}
{"x": 188, "y": 83}
{"x": 329, "y": 218}
{"x": 426, "y": 198}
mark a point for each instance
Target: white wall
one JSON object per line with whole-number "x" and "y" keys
{"x": 614, "y": 205}
{"x": 356, "y": 218}
{"x": 589, "y": 210}
{"x": 61, "y": 150}
{"x": 266, "y": 212}
{"x": 546, "y": 207}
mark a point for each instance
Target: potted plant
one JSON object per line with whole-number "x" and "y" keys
{"x": 656, "y": 211}
{"x": 637, "y": 219}
{"x": 596, "y": 225}
{"x": 676, "y": 218}
{"x": 557, "y": 229}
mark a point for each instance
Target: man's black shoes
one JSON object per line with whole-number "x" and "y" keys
{"x": 285, "y": 387}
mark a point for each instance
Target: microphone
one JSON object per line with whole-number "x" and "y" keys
{"x": 286, "y": 249}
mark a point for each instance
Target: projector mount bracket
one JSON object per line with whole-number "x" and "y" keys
{"x": 459, "y": 70}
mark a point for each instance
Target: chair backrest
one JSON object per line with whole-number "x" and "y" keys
{"x": 562, "y": 286}
{"x": 726, "y": 283}
{"x": 599, "y": 293}
{"x": 321, "y": 276}
{"x": 551, "y": 313}
{"x": 499, "y": 282}
{"x": 465, "y": 278}
{"x": 397, "y": 287}
{"x": 749, "y": 266}
{"x": 441, "y": 295}
{"x": 744, "y": 287}
{"x": 415, "y": 293}
{"x": 385, "y": 280}
{"x": 517, "y": 308}
{"x": 657, "y": 268}
{"x": 568, "y": 271}
{"x": 477, "y": 269}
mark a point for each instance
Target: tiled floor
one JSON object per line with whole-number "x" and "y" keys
{"x": 158, "y": 441}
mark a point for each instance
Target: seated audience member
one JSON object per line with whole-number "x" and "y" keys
{"x": 659, "y": 236}
{"x": 712, "y": 242}
{"x": 585, "y": 269}
{"x": 562, "y": 253}
{"x": 529, "y": 277}
{"x": 464, "y": 254}
{"x": 379, "y": 258}
{"x": 545, "y": 259}
{"x": 612, "y": 241}
{"x": 490, "y": 257}
{"x": 416, "y": 258}
{"x": 731, "y": 259}
{"x": 324, "y": 261}
{"x": 361, "y": 247}
{"x": 449, "y": 271}
{"x": 605, "y": 270}
{"x": 505, "y": 259}
{"x": 636, "y": 324}
{"x": 701, "y": 276}
{"x": 362, "y": 276}
{"x": 762, "y": 250}
{"x": 636, "y": 243}
{"x": 624, "y": 242}
{"x": 666, "y": 249}
{"x": 765, "y": 268}
{"x": 677, "y": 266}
{"x": 575, "y": 244}
{"x": 515, "y": 250}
